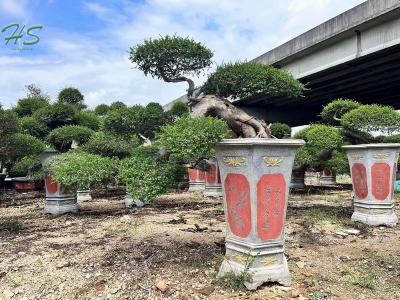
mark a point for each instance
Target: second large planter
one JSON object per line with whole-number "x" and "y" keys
{"x": 255, "y": 176}
{"x": 373, "y": 172}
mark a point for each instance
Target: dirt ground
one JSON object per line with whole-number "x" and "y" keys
{"x": 110, "y": 252}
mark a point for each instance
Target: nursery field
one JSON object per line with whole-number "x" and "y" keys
{"x": 171, "y": 250}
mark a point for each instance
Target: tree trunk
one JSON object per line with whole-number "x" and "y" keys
{"x": 240, "y": 122}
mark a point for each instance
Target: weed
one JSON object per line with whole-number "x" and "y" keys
{"x": 235, "y": 281}
{"x": 324, "y": 217}
{"x": 11, "y": 225}
{"x": 362, "y": 279}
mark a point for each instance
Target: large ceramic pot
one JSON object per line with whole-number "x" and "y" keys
{"x": 255, "y": 175}
{"x": 59, "y": 200}
{"x": 24, "y": 184}
{"x": 327, "y": 178}
{"x": 84, "y": 195}
{"x": 212, "y": 187}
{"x": 196, "y": 180}
{"x": 373, "y": 172}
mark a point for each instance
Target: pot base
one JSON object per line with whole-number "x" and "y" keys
{"x": 83, "y": 196}
{"x": 59, "y": 206}
{"x": 274, "y": 273}
{"x": 375, "y": 219}
{"x": 213, "y": 191}
{"x": 196, "y": 186}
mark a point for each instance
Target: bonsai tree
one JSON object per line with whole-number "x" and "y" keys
{"x": 27, "y": 106}
{"x": 179, "y": 109}
{"x": 280, "y": 130}
{"x": 87, "y": 119}
{"x": 101, "y": 109}
{"x": 175, "y": 59}
{"x": 147, "y": 174}
{"x": 34, "y": 126}
{"x": 77, "y": 169}
{"x": 117, "y": 104}
{"x": 190, "y": 140}
{"x": 56, "y": 115}
{"x": 29, "y": 166}
{"x": 71, "y": 95}
{"x": 109, "y": 145}
{"x": 63, "y": 137}
{"x": 322, "y": 142}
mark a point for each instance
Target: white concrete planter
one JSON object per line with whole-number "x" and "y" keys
{"x": 196, "y": 180}
{"x": 373, "y": 172}
{"x": 84, "y": 196}
{"x": 327, "y": 178}
{"x": 212, "y": 187}
{"x": 58, "y": 199}
{"x": 255, "y": 175}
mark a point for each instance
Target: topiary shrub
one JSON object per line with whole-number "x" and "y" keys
{"x": 8, "y": 123}
{"x": 146, "y": 174}
{"x": 20, "y": 145}
{"x": 280, "y": 130}
{"x": 62, "y": 138}
{"x": 27, "y": 166}
{"x": 372, "y": 118}
{"x": 56, "y": 115}
{"x": 80, "y": 170}
{"x": 87, "y": 119}
{"x": 332, "y": 112}
{"x": 109, "y": 145}
{"x": 27, "y": 106}
{"x": 321, "y": 141}
{"x": 71, "y": 95}
{"x": 189, "y": 139}
{"x": 33, "y": 126}
{"x": 101, "y": 109}
{"x": 179, "y": 109}
{"x": 250, "y": 80}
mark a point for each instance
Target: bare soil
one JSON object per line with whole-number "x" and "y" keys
{"x": 110, "y": 252}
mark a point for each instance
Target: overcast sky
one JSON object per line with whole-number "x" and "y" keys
{"x": 85, "y": 43}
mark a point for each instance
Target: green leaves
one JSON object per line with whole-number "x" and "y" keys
{"x": 170, "y": 57}
{"x": 146, "y": 176}
{"x": 280, "y": 130}
{"x": 250, "y": 79}
{"x": 61, "y": 138}
{"x": 80, "y": 170}
{"x": 333, "y": 112}
{"x": 109, "y": 145}
{"x": 372, "y": 118}
{"x": 191, "y": 138}
{"x": 72, "y": 96}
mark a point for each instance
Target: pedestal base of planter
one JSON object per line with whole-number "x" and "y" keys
{"x": 196, "y": 186}
{"x": 327, "y": 180}
{"x": 61, "y": 205}
{"x": 374, "y": 214}
{"x": 265, "y": 263}
{"x": 83, "y": 196}
{"x": 213, "y": 191}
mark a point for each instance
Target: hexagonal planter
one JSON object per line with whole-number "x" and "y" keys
{"x": 212, "y": 186}
{"x": 373, "y": 172}
{"x": 196, "y": 180}
{"x": 297, "y": 180}
{"x": 255, "y": 175}
{"x": 84, "y": 196}
{"x": 59, "y": 200}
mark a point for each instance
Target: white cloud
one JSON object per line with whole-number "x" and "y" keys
{"x": 99, "y": 66}
{"x": 13, "y": 8}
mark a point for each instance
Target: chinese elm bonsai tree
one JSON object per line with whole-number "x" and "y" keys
{"x": 175, "y": 59}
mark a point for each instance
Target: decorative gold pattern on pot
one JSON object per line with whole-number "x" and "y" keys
{"x": 380, "y": 156}
{"x": 269, "y": 261}
{"x": 356, "y": 156}
{"x": 273, "y": 161}
{"x": 234, "y": 161}
{"x": 239, "y": 258}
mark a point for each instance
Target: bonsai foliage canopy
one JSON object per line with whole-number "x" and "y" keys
{"x": 171, "y": 58}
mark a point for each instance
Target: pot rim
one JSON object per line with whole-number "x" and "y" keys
{"x": 368, "y": 146}
{"x": 262, "y": 142}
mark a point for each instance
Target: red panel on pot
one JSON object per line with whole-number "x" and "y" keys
{"x": 51, "y": 185}
{"x": 359, "y": 173}
{"x": 192, "y": 174}
{"x": 380, "y": 174}
{"x": 237, "y": 190}
{"x": 271, "y": 197}
{"x": 394, "y": 173}
{"x": 201, "y": 175}
{"x": 211, "y": 175}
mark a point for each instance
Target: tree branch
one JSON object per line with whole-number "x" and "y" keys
{"x": 190, "y": 82}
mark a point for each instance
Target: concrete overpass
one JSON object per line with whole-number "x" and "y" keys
{"x": 353, "y": 55}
